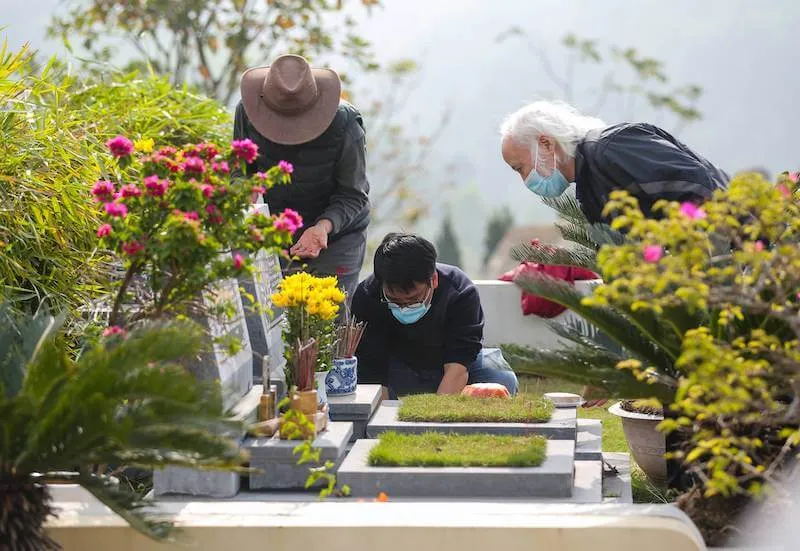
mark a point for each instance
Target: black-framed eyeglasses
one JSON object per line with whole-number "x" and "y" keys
{"x": 394, "y": 304}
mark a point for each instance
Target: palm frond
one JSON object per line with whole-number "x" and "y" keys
{"x": 127, "y": 504}
{"x": 577, "y": 233}
{"x": 567, "y": 207}
{"x": 587, "y": 366}
{"x": 556, "y": 256}
{"x": 603, "y": 234}
{"x": 579, "y": 331}
{"x": 613, "y": 323}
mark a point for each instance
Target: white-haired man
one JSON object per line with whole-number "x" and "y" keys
{"x": 551, "y": 144}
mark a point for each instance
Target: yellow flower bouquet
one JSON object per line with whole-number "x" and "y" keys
{"x": 312, "y": 304}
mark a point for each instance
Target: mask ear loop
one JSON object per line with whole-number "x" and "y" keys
{"x": 536, "y": 157}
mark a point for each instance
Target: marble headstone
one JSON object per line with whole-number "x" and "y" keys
{"x": 264, "y": 324}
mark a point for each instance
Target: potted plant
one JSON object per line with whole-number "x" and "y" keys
{"x": 342, "y": 379}
{"x": 640, "y": 421}
{"x": 124, "y": 402}
{"x": 311, "y": 305}
{"x": 714, "y": 331}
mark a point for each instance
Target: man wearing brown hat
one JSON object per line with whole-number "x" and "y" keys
{"x": 294, "y": 113}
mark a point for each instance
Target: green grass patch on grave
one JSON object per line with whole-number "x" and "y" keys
{"x": 523, "y": 408}
{"x": 435, "y": 449}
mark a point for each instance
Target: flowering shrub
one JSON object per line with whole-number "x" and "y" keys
{"x": 311, "y": 304}
{"x": 178, "y": 219}
{"x": 730, "y": 270}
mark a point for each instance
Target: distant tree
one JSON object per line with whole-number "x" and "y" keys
{"x": 447, "y": 248}
{"x": 499, "y": 223}
{"x": 209, "y": 44}
{"x": 628, "y": 75}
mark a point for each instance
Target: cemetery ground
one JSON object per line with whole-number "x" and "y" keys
{"x": 644, "y": 491}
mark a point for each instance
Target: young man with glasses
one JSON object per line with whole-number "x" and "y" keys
{"x": 424, "y": 324}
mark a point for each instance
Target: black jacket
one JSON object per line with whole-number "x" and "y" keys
{"x": 451, "y": 331}
{"x": 329, "y": 179}
{"x": 644, "y": 160}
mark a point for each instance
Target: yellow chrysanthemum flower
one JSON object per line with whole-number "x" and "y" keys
{"x": 145, "y": 145}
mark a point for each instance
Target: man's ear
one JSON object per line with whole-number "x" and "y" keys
{"x": 546, "y": 144}
{"x": 435, "y": 279}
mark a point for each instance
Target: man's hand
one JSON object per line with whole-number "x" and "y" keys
{"x": 454, "y": 379}
{"x": 313, "y": 240}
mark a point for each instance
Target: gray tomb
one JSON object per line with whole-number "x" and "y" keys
{"x": 235, "y": 374}
{"x": 277, "y": 463}
{"x": 562, "y": 425}
{"x": 357, "y": 407}
{"x": 552, "y": 479}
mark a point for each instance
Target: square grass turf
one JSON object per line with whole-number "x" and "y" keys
{"x": 433, "y": 449}
{"x": 522, "y": 408}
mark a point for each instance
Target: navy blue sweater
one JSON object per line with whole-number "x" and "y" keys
{"x": 451, "y": 331}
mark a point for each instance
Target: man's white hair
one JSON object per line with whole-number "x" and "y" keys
{"x": 556, "y": 119}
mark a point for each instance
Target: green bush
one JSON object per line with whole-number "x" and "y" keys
{"x": 53, "y": 127}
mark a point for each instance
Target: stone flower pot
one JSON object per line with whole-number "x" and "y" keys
{"x": 646, "y": 443}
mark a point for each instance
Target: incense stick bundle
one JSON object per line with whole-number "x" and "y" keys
{"x": 348, "y": 337}
{"x": 305, "y": 362}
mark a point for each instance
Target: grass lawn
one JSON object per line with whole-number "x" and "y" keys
{"x": 614, "y": 440}
{"x": 434, "y": 449}
{"x": 523, "y": 408}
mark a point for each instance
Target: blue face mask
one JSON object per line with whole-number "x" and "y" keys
{"x": 549, "y": 186}
{"x": 408, "y": 315}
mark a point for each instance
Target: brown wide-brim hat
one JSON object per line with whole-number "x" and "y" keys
{"x": 289, "y": 102}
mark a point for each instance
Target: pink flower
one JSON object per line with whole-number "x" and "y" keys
{"x": 167, "y": 151}
{"x": 259, "y": 189}
{"x": 758, "y": 246}
{"x": 132, "y": 247}
{"x": 692, "y": 211}
{"x": 130, "y": 190}
{"x": 114, "y": 330}
{"x": 784, "y": 190}
{"x": 120, "y": 146}
{"x": 794, "y": 176}
{"x": 238, "y": 261}
{"x": 103, "y": 190}
{"x": 215, "y": 218}
{"x": 653, "y": 253}
{"x": 155, "y": 187}
{"x": 208, "y": 190}
{"x": 104, "y": 230}
{"x": 245, "y": 149}
{"x": 191, "y": 215}
{"x": 221, "y": 167}
{"x": 209, "y": 149}
{"x": 262, "y": 175}
{"x": 194, "y": 164}
{"x": 285, "y": 167}
{"x": 117, "y": 210}
{"x": 211, "y": 209}
{"x": 289, "y": 220}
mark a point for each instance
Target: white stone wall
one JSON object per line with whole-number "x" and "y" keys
{"x": 505, "y": 323}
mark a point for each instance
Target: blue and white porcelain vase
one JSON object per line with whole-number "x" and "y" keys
{"x": 343, "y": 378}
